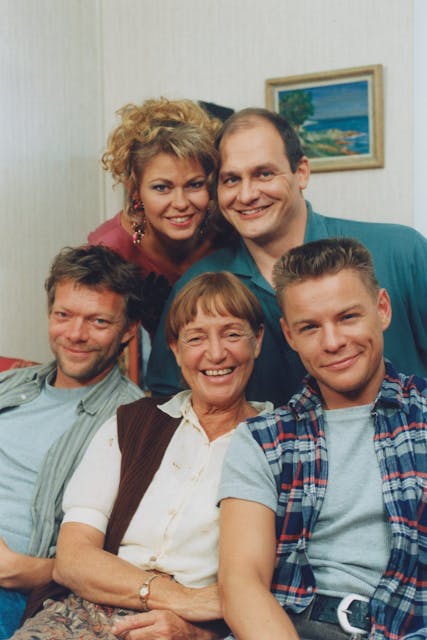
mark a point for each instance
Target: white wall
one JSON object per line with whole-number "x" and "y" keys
{"x": 51, "y": 131}
{"x": 223, "y": 51}
{"x": 420, "y": 111}
{"x": 67, "y": 65}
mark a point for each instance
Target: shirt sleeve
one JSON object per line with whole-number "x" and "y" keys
{"x": 246, "y": 473}
{"x": 90, "y": 494}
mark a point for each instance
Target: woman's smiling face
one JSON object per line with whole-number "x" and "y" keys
{"x": 216, "y": 354}
{"x": 175, "y": 196}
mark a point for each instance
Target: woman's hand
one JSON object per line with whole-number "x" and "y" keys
{"x": 159, "y": 625}
{"x": 191, "y": 604}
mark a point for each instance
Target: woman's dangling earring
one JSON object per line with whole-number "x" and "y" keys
{"x": 138, "y": 227}
{"x": 138, "y": 231}
{"x": 137, "y": 204}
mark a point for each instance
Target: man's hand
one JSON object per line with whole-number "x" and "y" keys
{"x": 156, "y": 625}
{"x": 8, "y": 561}
{"x": 18, "y": 571}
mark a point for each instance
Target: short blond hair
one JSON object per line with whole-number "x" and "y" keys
{"x": 220, "y": 292}
{"x": 324, "y": 257}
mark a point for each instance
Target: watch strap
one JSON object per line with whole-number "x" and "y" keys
{"x": 144, "y": 591}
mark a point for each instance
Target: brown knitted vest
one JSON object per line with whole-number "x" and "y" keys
{"x": 144, "y": 432}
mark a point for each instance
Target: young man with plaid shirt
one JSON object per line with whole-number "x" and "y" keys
{"x": 324, "y": 501}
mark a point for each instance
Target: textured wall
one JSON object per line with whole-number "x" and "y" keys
{"x": 223, "y": 50}
{"x": 50, "y": 188}
{"x": 420, "y": 120}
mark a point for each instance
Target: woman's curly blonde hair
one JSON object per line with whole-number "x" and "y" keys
{"x": 177, "y": 127}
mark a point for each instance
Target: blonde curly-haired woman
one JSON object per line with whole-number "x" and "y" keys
{"x": 163, "y": 154}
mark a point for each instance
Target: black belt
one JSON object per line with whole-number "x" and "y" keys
{"x": 351, "y": 613}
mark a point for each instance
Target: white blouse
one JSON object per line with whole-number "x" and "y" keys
{"x": 175, "y": 528}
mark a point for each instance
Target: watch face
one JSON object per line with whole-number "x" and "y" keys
{"x": 144, "y": 590}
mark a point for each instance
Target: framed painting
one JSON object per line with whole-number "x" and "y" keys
{"x": 338, "y": 115}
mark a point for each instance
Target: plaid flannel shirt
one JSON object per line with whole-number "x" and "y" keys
{"x": 293, "y": 440}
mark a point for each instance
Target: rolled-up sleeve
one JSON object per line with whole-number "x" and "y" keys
{"x": 90, "y": 494}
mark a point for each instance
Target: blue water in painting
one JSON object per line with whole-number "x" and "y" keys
{"x": 358, "y": 126}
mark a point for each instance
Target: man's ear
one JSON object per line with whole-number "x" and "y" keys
{"x": 131, "y": 331}
{"x": 259, "y": 337}
{"x": 287, "y": 333}
{"x": 384, "y": 308}
{"x": 303, "y": 172}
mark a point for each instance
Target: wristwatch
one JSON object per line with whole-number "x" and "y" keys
{"x": 144, "y": 591}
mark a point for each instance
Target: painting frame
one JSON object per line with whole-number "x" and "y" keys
{"x": 337, "y": 150}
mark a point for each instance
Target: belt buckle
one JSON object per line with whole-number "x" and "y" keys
{"x": 343, "y": 611}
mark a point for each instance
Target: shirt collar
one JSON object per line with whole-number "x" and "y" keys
{"x": 242, "y": 264}
{"x": 315, "y": 228}
{"x": 179, "y": 406}
{"x": 391, "y": 392}
{"x": 241, "y": 261}
{"x": 38, "y": 374}
{"x": 308, "y": 397}
{"x": 95, "y": 398}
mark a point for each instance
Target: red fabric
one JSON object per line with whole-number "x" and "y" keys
{"x": 111, "y": 234}
{"x": 14, "y": 363}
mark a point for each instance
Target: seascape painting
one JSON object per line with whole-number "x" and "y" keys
{"x": 336, "y": 115}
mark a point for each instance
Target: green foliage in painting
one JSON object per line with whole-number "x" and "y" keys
{"x": 296, "y": 107}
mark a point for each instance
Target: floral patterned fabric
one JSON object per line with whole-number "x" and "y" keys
{"x": 73, "y": 618}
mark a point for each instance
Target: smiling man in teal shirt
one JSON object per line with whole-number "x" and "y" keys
{"x": 262, "y": 175}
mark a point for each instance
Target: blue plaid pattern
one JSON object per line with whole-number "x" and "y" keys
{"x": 293, "y": 441}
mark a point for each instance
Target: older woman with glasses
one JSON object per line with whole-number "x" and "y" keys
{"x": 140, "y": 532}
